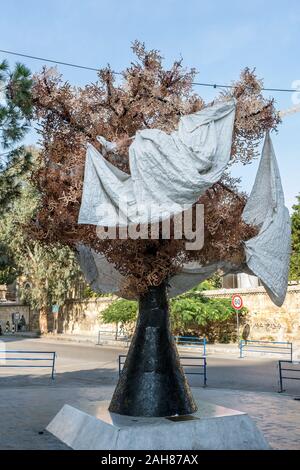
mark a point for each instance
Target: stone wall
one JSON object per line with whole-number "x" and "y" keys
{"x": 82, "y": 317}
{"x": 8, "y": 308}
{"x": 77, "y": 317}
{"x": 2, "y": 292}
{"x": 267, "y": 321}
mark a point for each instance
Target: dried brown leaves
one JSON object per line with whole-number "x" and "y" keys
{"x": 149, "y": 97}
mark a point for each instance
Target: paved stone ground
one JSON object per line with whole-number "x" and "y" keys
{"x": 25, "y": 412}
{"x": 277, "y": 416}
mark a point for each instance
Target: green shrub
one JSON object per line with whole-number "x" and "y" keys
{"x": 192, "y": 314}
{"x": 196, "y": 315}
{"x": 122, "y": 312}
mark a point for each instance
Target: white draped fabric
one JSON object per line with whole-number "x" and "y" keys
{"x": 268, "y": 254}
{"x": 167, "y": 171}
{"x": 178, "y": 168}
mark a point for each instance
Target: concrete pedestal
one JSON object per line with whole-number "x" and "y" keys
{"x": 211, "y": 427}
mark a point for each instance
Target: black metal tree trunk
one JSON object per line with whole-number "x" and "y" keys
{"x": 152, "y": 382}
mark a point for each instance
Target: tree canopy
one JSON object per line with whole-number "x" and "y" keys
{"x": 120, "y": 311}
{"x": 148, "y": 96}
{"x": 15, "y": 115}
{"x": 46, "y": 272}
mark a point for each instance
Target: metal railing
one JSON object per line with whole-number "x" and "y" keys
{"x": 285, "y": 369}
{"x": 191, "y": 341}
{"x": 21, "y": 356}
{"x": 271, "y": 347}
{"x": 187, "y": 341}
{"x": 111, "y": 333}
{"x": 203, "y": 365}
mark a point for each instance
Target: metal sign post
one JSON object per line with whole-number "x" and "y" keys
{"x": 55, "y": 310}
{"x": 237, "y": 304}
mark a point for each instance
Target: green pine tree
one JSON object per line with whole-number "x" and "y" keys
{"x": 295, "y": 257}
{"x": 15, "y": 115}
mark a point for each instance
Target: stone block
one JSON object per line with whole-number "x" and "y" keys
{"x": 93, "y": 427}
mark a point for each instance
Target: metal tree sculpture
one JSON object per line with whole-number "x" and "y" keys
{"x": 148, "y": 97}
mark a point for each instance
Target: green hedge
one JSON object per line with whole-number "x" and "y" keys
{"x": 192, "y": 314}
{"x": 195, "y": 314}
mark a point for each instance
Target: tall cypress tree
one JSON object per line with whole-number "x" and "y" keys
{"x": 15, "y": 114}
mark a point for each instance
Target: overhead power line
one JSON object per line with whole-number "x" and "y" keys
{"x": 68, "y": 64}
{"x": 94, "y": 69}
{"x": 216, "y": 85}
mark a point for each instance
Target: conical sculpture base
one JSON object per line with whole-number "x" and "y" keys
{"x": 152, "y": 382}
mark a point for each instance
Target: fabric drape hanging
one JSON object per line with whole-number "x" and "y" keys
{"x": 179, "y": 168}
{"x": 166, "y": 170}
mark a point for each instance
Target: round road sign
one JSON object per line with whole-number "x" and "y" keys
{"x": 237, "y": 302}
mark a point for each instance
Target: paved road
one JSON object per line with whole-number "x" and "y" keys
{"x": 88, "y": 364}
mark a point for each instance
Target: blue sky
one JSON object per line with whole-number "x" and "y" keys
{"x": 217, "y": 38}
